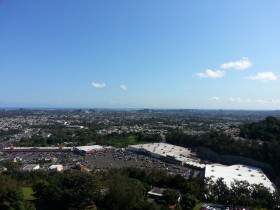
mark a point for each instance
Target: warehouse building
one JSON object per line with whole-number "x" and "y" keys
{"x": 250, "y": 174}
{"x": 168, "y": 153}
{"x": 83, "y": 150}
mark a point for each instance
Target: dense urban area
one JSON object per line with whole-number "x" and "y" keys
{"x": 139, "y": 159}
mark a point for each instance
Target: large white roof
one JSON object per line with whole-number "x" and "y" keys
{"x": 89, "y": 148}
{"x": 56, "y": 167}
{"x": 164, "y": 149}
{"x": 238, "y": 172}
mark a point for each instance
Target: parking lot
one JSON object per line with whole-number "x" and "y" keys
{"x": 100, "y": 161}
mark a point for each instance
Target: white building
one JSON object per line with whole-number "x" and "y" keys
{"x": 31, "y": 167}
{"x": 83, "y": 150}
{"x": 168, "y": 152}
{"x": 238, "y": 172}
{"x": 56, "y": 168}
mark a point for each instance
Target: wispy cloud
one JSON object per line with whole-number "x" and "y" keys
{"x": 98, "y": 85}
{"x": 259, "y": 101}
{"x": 123, "y": 87}
{"x": 264, "y": 76}
{"x": 232, "y": 99}
{"x": 254, "y": 101}
{"x": 242, "y": 64}
{"x": 210, "y": 74}
{"x": 215, "y": 99}
{"x": 275, "y": 100}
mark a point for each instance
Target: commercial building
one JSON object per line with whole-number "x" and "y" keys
{"x": 169, "y": 153}
{"x": 83, "y": 150}
{"x": 238, "y": 172}
{"x": 36, "y": 149}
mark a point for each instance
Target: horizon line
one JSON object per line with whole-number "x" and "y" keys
{"x": 106, "y": 108}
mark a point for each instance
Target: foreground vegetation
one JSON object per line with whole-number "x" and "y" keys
{"x": 122, "y": 189}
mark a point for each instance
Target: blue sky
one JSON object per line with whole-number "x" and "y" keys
{"x": 140, "y": 54}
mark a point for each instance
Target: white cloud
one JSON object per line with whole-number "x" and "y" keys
{"x": 232, "y": 99}
{"x": 254, "y": 101}
{"x": 215, "y": 98}
{"x": 210, "y": 74}
{"x": 98, "y": 85}
{"x": 264, "y": 76}
{"x": 248, "y": 100}
{"x": 123, "y": 87}
{"x": 242, "y": 64}
{"x": 275, "y": 100}
{"x": 259, "y": 101}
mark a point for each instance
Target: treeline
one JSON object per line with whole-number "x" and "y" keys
{"x": 267, "y": 151}
{"x": 124, "y": 189}
{"x": 265, "y": 130}
{"x": 117, "y": 189}
{"x": 64, "y": 136}
{"x": 68, "y": 138}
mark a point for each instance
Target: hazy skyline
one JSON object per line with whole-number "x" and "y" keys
{"x": 140, "y": 54}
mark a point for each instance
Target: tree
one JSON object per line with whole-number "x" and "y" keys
{"x": 240, "y": 193}
{"x": 188, "y": 201}
{"x": 10, "y": 195}
{"x": 48, "y": 196}
{"x": 125, "y": 194}
{"x": 262, "y": 197}
{"x": 218, "y": 191}
{"x": 171, "y": 196}
{"x": 67, "y": 190}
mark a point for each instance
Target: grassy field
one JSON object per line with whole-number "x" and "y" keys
{"x": 122, "y": 142}
{"x": 198, "y": 206}
{"x": 27, "y": 193}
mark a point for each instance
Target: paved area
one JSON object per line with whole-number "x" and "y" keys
{"x": 100, "y": 161}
